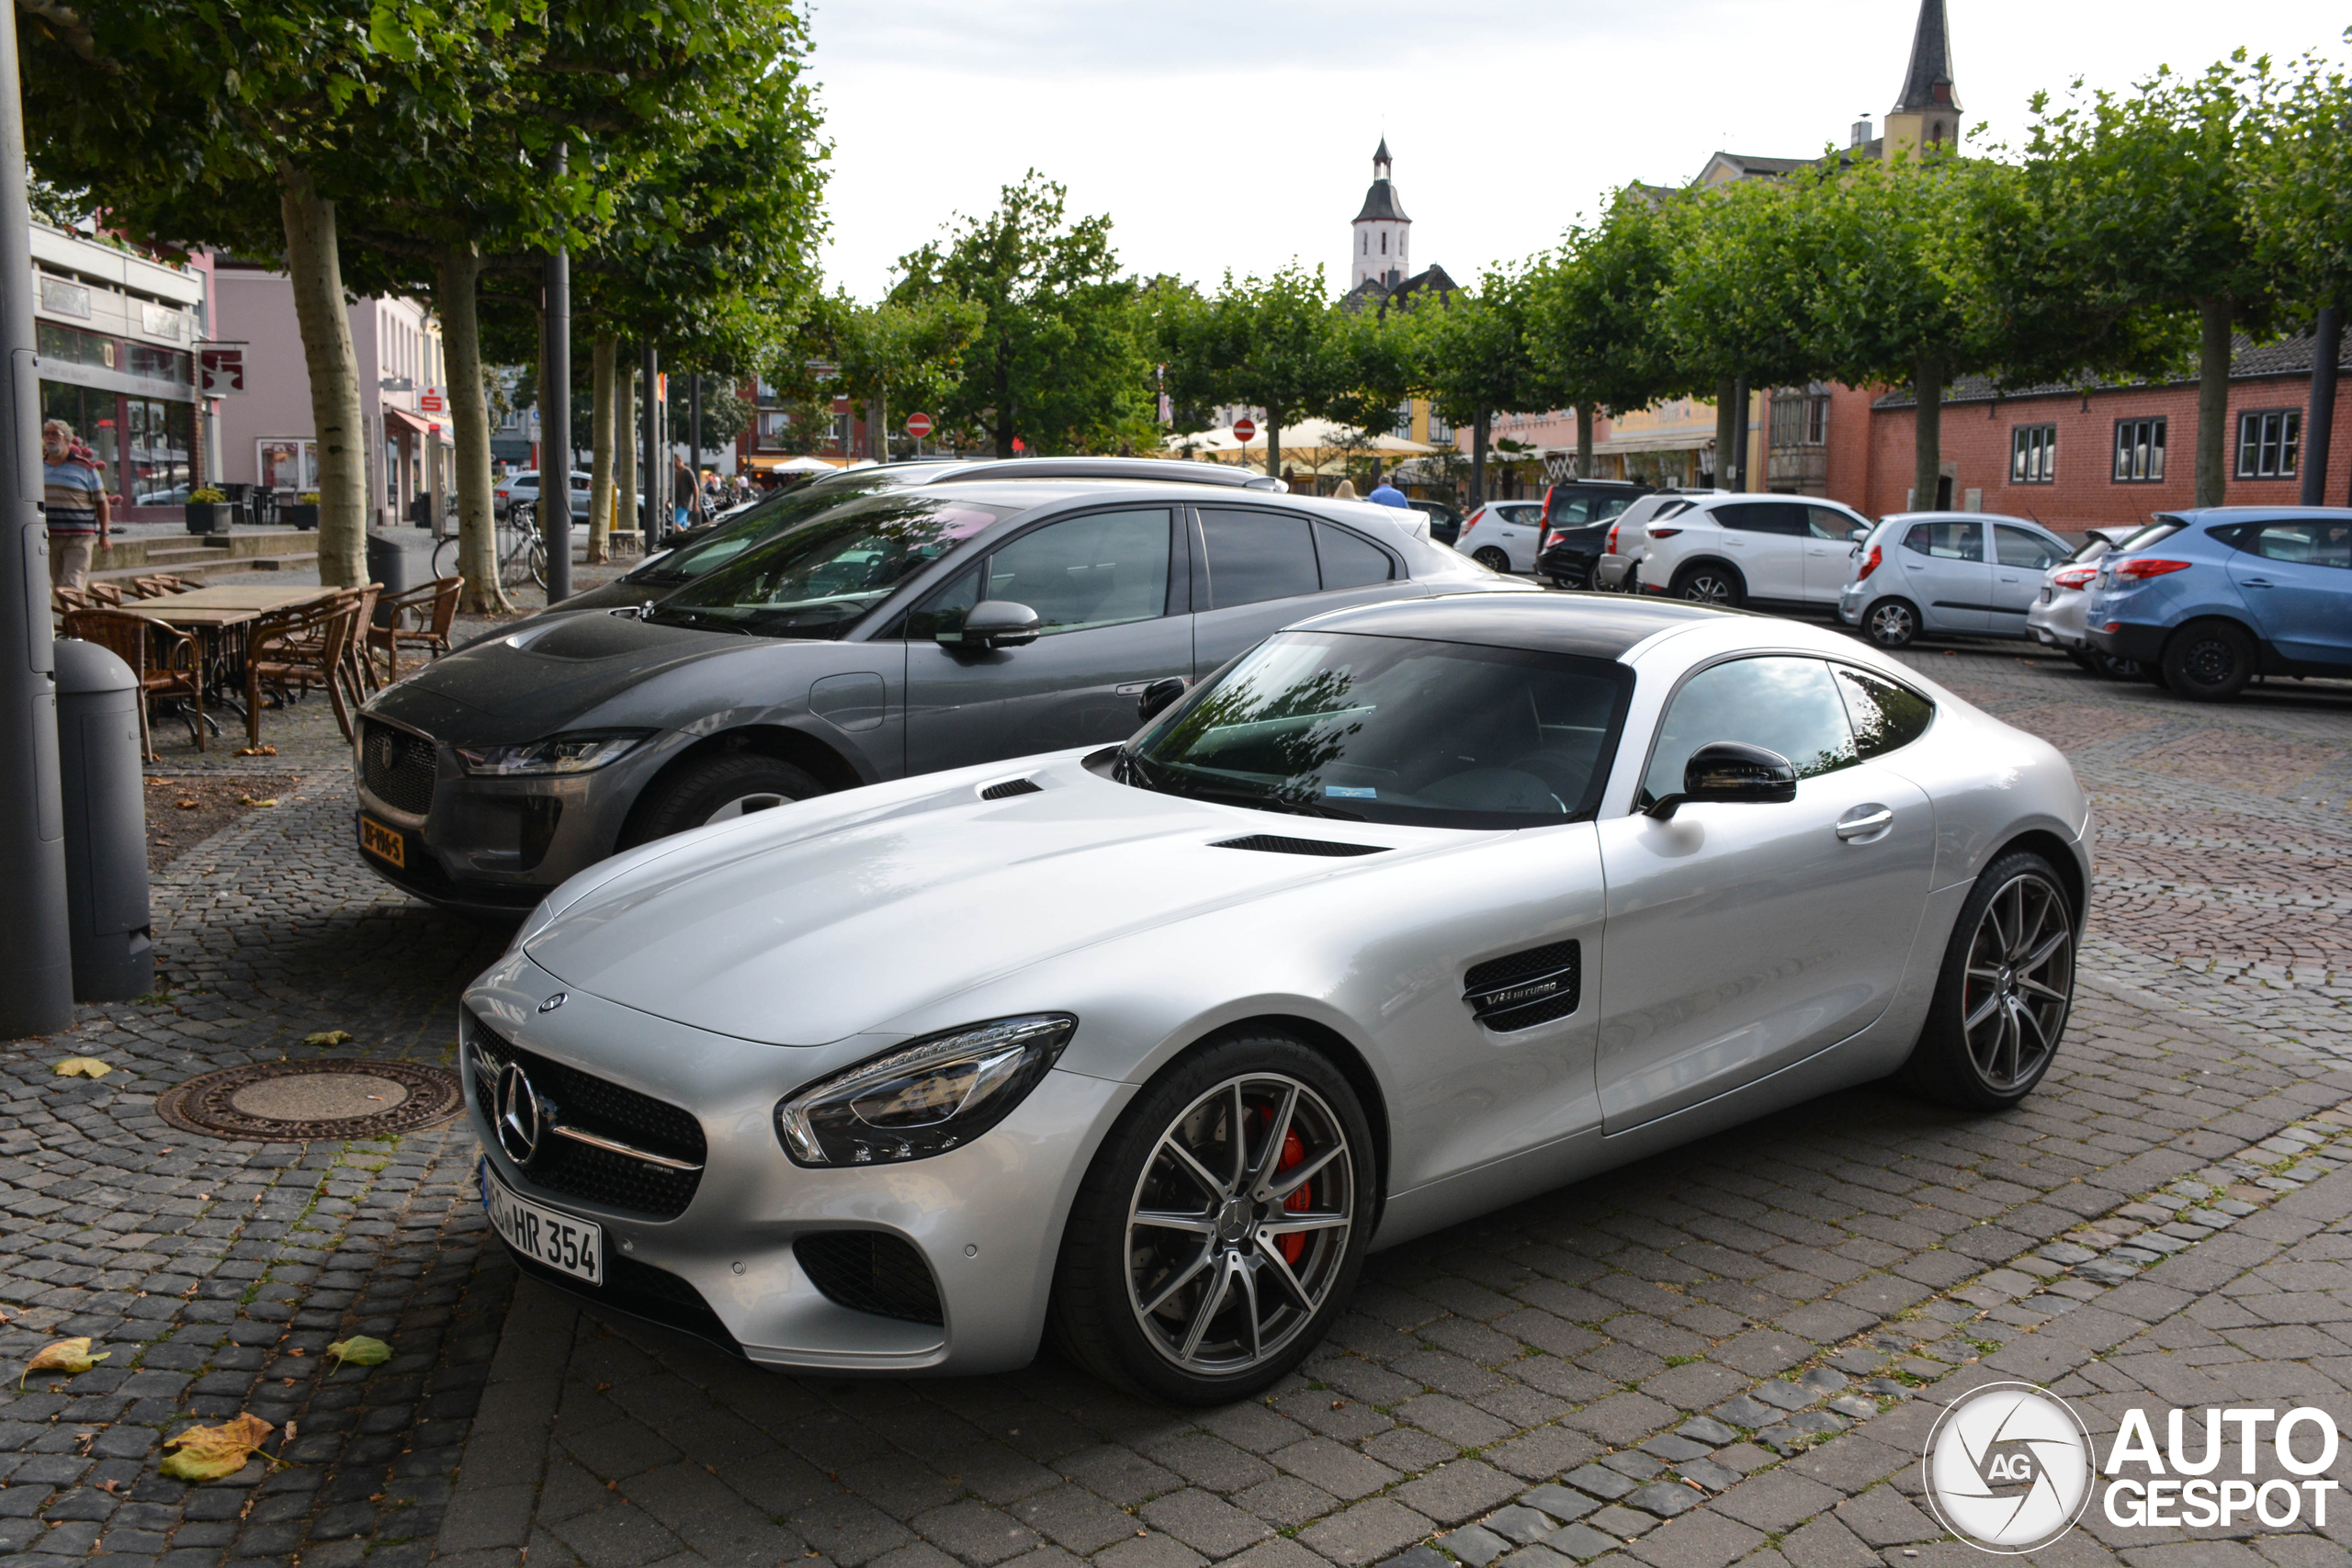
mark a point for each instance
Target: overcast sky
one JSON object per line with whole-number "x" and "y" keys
{"x": 1240, "y": 134}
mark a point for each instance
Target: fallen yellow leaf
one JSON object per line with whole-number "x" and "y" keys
{"x": 207, "y": 1453}
{"x": 80, "y": 1067}
{"x": 189, "y": 805}
{"x": 256, "y": 751}
{"x": 360, "y": 1352}
{"x": 327, "y": 1037}
{"x": 67, "y": 1356}
{"x": 249, "y": 800}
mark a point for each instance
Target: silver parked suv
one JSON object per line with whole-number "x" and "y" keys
{"x": 901, "y": 631}
{"x": 1947, "y": 571}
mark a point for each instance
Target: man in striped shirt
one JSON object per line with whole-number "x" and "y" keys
{"x": 76, "y": 499}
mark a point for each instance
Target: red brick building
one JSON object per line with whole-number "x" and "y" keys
{"x": 2072, "y": 460}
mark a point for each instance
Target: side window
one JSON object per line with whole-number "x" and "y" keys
{"x": 1783, "y": 704}
{"x": 1885, "y": 716}
{"x": 2014, "y": 546}
{"x": 1257, "y": 556}
{"x": 1610, "y": 506}
{"x": 944, "y": 611}
{"x": 1829, "y": 523}
{"x": 1946, "y": 541}
{"x": 2307, "y": 541}
{"x": 1761, "y": 517}
{"x": 1570, "y": 513}
{"x": 1349, "y": 561}
{"x": 1096, "y": 570}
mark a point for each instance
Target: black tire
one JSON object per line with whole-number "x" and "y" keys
{"x": 1892, "y": 623}
{"x": 1493, "y": 560}
{"x": 1709, "y": 583}
{"x": 2209, "y": 662}
{"x": 2112, "y": 668}
{"x": 1097, "y": 1316}
{"x": 712, "y": 788}
{"x": 2081, "y": 660}
{"x": 2010, "y": 967}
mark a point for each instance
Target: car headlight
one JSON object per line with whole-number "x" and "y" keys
{"x": 922, "y": 1099}
{"x": 558, "y": 754}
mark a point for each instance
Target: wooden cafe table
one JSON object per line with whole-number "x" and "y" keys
{"x": 218, "y": 616}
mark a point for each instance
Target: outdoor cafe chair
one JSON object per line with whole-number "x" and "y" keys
{"x": 421, "y": 617}
{"x": 165, "y": 661}
{"x": 296, "y": 648}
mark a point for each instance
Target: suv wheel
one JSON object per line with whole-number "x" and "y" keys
{"x": 1709, "y": 583}
{"x": 1892, "y": 623}
{"x": 716, "y": 789}
{"x": 2209, "y": 661}
{"x": 1492, "y": 558}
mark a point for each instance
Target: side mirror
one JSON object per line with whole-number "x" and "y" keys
{"x": 1733, "y": 772}
{"x": 995, "y": 623}
{"x": 1156, "y": 697}
{"x": 1859, "y": 537}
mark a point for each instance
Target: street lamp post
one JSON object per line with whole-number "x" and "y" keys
{"x": 36, "y": 957}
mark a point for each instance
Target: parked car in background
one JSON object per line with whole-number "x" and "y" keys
{"x": 1970, "y": 572}
{"x": 2212, "y": 598}
{"x": 1577, "y": 521}
{"x": 2056, "y": 619}
{"x": 1445, "y": 520}
{"x": 1503, "y": 536}
{"x": 896, "y": 631}
{"x": 1627, "y": 537}
{"x": 1418, "y": 909}
{"x": 1737, "y": 550}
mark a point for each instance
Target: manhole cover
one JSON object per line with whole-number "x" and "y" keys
{"x": 298, "y": 1101}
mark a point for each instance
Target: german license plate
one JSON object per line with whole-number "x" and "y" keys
{"x": 385, "y": 844}
{"x": 567, "y": 1245}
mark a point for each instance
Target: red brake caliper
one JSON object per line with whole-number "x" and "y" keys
{"x": 1293, "y": 1246}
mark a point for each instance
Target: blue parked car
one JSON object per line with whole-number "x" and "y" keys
{"x": 2211, "y": 599}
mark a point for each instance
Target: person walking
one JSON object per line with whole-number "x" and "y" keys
{"x": 685, "y": 496}
{"x": 75, "y": 495}
{"x": 1386, "y": 495}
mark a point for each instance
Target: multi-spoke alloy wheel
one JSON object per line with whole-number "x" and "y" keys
{"x": 1222, "y": 1223}
{"x": 1238, "y": 1224}
{"x": 1708, "y": 585}
{"x": 2006, "y": 986}
{"x": 2020, "y": 981}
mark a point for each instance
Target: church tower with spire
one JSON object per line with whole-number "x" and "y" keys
{"x": 1380, "y": 243}
{"x": 1927, "y": 114}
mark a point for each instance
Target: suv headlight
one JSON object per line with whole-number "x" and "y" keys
{"x": 558, "y": 754}
{"x": 922, "y": 1099}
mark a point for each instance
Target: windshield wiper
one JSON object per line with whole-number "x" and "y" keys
{"x": 1256, "y": 801}
{"x": 694, "y": 620}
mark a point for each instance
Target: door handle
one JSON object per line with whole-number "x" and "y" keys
{"x": 1863, "y": 822}
{"x": 2254, "y": 581}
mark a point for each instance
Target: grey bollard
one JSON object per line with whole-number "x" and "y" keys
{"x": 106, "y": 825}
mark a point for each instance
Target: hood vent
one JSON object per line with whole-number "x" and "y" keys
{"x": 1273, "y": 844}
{"x": 1523, "y": 989}
{"x": 1011, "y": 787}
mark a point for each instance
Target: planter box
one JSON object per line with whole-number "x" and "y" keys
{"x": 299, "y": 515}
{"x": 208, "y": 516}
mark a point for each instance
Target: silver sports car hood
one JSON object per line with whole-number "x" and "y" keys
{"x": 797, "y": 928}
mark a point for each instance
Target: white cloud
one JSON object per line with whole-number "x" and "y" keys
{"x": 1240, "y": 135}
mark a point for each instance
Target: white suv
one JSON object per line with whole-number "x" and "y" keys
{"x": 1772, "y": 551}
{"x": 1628, "y": 537}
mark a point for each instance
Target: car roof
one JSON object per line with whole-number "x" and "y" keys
{"x": 1175, "y": 470}
{"x": 1965, "y": 517}
{"x": 1593, "y": 625}
{"x": 2245, "y": 513}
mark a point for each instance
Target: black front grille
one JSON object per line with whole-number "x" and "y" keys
{"x": 396, "y": 767}
{"x": 1274, "y": 844}
{"x": 597, "y": 1105}
{"x": 1009, "y": 788}
{"x": 642, "y": 1290}
{"x": 1520, "y": 990}
{"x": 869, "y": 1271}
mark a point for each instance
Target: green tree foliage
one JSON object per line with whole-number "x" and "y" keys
{"x": 1267, "y": 343}
{"x": 1060, "y": 362}
{"x": 2142, "y": 201}
{"x": 900, "y": 353}
{"x": 1475, "y": 353}
{"x": 1596, "y": 316}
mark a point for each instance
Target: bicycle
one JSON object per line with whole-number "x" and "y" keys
{"x": 522, "y": 553}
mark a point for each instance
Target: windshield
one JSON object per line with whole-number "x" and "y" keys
{"x": 764, "y": 519}
{"x": 1394, "y": 729}
{"x": 823, "y": 571}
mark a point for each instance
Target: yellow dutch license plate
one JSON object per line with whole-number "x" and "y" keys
{"x": 384, "y": 843}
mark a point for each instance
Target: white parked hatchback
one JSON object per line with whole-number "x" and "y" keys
{"x": 1503, "y": 536}
{"x": 1768, "y": 551}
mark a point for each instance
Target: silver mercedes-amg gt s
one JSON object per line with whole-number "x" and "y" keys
{"x": 1415, "y": 909}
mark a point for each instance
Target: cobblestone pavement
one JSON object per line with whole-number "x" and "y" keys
{"x": 1728, "y": 1356}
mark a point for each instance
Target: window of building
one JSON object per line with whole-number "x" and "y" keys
{"x": 1816, "y": 420}
{"x": 2033, "y": 455}
{"x": 2138, "y": 451}
{"x": 2267, "y": 443}
{"x": 72, "y": 346}
{"x": 1441, "y": 429}
{"x": 162, "y": 444}
{"x": 288, "y": 463}
{"x": 92, "y": 413}
{"x": 841, "y": 431}
{"x": 160, "y": 364}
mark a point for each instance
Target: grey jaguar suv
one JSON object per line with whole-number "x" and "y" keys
{"x": 904, "y": 630}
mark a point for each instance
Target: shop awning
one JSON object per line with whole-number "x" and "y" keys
{"x": 1652, "y": 441}
{"x": 417, "y": 424}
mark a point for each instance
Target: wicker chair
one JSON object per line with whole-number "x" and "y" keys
{"x": 64, "y": 600}
{"x": 159, "y": 584}
{"x": 421, "y": 617}
{"x": 357, "y": 668}
{"x": 165, "y": 660}
{"x": 106, "y": 595}
{"x": 293, "y": 649}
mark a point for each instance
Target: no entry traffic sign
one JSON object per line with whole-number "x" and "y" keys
{"x": 1244, "y": 429}
{"x": 917, "y": 425}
